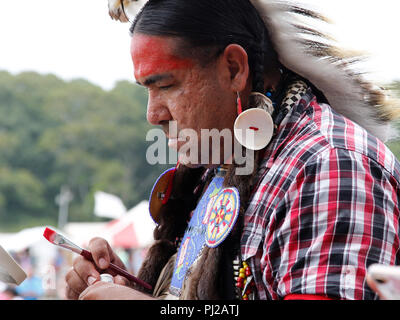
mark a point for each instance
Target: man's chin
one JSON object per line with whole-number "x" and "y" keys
{"x": 190, "y": 163}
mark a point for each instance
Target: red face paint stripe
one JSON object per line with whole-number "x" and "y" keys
{"x": 154, "y": 55}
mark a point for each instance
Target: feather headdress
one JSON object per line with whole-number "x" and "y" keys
{"x": 123, "y": 9}
{"x": 315, "y": 56}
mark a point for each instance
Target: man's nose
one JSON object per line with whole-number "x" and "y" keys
{"x": 157, "y": 111}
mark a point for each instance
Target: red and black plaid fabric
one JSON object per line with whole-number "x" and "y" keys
{"x": 327, "y": 207}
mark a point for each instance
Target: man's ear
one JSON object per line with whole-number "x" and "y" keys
{"x": 235, "y": 60}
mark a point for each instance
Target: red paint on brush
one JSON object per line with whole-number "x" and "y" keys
{"x": 153, "y": 55}
{"x": 49, "y": 234}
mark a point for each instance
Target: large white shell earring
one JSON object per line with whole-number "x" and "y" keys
{"x": 254, "y": 127}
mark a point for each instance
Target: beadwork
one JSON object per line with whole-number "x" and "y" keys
{"x": 244, "y": 282}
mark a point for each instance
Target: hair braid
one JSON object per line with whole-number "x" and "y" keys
{"x": 258, "y": 71}
{"x": 258, "y": 60}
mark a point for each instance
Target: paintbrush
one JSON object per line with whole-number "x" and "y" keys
{"x": 59, "y": 240}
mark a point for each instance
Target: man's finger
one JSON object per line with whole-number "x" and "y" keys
{"x": 101, "y": 252}
{"x": 85, "y": 270}
{"x": 71, "y": 294}
{"x": 74, "y": 285}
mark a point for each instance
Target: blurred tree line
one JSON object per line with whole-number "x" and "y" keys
{"x": 55, "y": 133}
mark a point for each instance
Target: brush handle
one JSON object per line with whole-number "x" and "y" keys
{"x": 118, "y": 270}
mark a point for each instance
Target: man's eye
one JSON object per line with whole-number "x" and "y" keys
{"x": 165, "y": 87}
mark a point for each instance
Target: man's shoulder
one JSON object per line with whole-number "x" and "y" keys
{"x": 320, "y": 129}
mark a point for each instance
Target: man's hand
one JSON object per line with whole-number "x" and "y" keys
{"x": 112, "y": 291}
{"x": 84, "y": 272}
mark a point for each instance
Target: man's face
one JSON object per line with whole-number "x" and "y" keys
{"x": 182, "y": 90}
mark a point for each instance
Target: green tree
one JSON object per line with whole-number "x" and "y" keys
{"x": 55, "y": 133}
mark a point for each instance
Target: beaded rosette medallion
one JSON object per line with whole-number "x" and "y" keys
{"x": 210, "y": 224}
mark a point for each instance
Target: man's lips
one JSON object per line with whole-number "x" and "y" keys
{"x": 172, "y": 140}
{"x": 173, "y": 143}
{"x": 176, "y": 137}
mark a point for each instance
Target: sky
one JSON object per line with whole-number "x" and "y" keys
{"x": 77, "y": 38}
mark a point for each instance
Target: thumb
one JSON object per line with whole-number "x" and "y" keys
{"x": 101, "y": 252}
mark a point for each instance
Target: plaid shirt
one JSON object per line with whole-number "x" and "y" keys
{"x": 326, "y": 207}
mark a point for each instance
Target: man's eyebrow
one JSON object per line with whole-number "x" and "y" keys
{"x": 153, "y": 79}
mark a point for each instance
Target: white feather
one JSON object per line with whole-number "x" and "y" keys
{"x": 131, "y": 8}
{"x": 343, "y": 93}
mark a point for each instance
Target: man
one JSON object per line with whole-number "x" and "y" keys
{"x": 321, "y": 202}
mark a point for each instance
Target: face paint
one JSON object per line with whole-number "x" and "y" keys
{"x": 153, "y": 55}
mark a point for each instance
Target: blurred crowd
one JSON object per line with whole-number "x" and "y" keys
{"x": 47, "y": 282}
